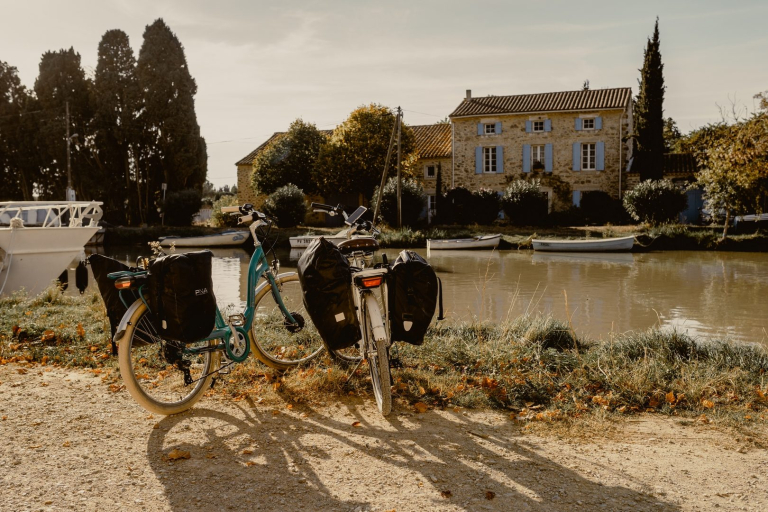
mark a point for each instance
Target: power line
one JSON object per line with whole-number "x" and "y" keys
{"x": 422, "y": 113}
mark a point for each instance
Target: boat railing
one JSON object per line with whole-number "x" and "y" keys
{"x": 48, "y": 214}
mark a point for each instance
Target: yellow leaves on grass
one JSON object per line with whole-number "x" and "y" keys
{"x": 420, "y": 407}
{"x": 707, "y": 403}
{"x": 48, "y": 335}
{"x": 80, "y": 330}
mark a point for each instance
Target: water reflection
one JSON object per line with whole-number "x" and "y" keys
{"x": 703, "y": 293}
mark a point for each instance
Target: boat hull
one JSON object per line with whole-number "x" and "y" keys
{"x": 302, "y": 242}
{"x": 622, "y": 244}
{"x": 225, "y": 239}
{"x": 460, "y": 244}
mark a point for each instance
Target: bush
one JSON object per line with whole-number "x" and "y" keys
{"x": 457, "y": 207}
{"x": 179, "y": 207}
{"x": 412, "y": 199}
{"x": 287, "y": 205}
{"x": 599, "y": 207}
{"x": 655, "y": 202}
{"x": 485, "y": 206}
{"x": 223, "y": 220}
{"x": 523, "y": 202}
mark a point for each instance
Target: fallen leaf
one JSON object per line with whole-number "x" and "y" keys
{"x": 21, "y": 370}
{"x": 210, "y": 456}
{"x": 178, "y": 454}
{"x": 250, "y": 463}
{"x": 275, "y": 413}
{"x": 356, "y": 424}
{"x": 670, "y": 397}
{"x": 420, "y": 407}
{"x": 5, "y": 418}
{"x": 66, "y": 444}
{"x": 708, "y": 404}
{"x": 47, "y": 335}
{"x": 80, "y": 330}
{"x": 489, "y": 495}
{"x": 289, "y": 406}
{"x": 446, "y": 494}
{"x": 422, "y": 391}
{"x": 247, "y": 451}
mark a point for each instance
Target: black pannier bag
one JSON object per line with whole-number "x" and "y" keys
{"x": 413, "y": 294}
{"x": 101, "y": 266}
{"x": 326, "y": 281}
{"x": 181, "y": 296}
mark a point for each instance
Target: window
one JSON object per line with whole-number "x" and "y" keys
{"x": 489, "y": 159}
{"x": 429, "y": 171}
{"x": 588, "y": 124}
{"x": 588, "y": 156}
{"x": 537, "y": 157}
{"x": 489, "y": 128}
{"x": 538, "y": 126}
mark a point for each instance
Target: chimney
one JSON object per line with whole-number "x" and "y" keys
{"x": 469, "y": 94}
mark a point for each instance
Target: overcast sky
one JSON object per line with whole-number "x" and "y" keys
{"x": 261, "y": 64}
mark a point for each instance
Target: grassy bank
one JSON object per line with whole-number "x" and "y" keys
{"x": 533, "y": 367}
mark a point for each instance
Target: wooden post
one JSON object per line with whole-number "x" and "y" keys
{"x": 399, "y": 197}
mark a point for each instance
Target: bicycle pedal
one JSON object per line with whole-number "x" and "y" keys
{"x": 237, "y": 320}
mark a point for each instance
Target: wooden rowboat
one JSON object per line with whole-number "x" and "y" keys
{"x": 223, "y": 239}
{"x": 302, "y": 242}
{"x": 597, "y": 245}
{"x": 478, "y": 242}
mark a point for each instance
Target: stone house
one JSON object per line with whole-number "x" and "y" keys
{"x": 573, "y": 141}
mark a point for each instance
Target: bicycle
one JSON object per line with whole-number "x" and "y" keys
{"x": 167, "y": 377}
{"x": 374, "y": 326}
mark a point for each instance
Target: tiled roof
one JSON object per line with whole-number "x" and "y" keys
{"x": 433, "y": 140}
{"x": 590, "y": 99}
{"x": 679, "y": 163}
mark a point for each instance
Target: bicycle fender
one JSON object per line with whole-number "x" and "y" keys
{"x": 120, "y": 332}
{"x": 266, "y": 283}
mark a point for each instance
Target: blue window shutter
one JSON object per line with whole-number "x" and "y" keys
{"x": 600, "y": 156}
{"x": 499, "y": 159}
{"x": 528, "y": 127}
{"x": 478, "y": 160}
{"x": 576, "y": 156}
{"x": 578, "y": 124}
{"x": 598, "y": 123}
{"x": 479, "y": 128}
{"x": 548, "y": 158}
{"x": 576, "y": 198}
{"x": 526, "y": 158}
{"x": 498, "y": 127}
{"x": 547, "y": 125}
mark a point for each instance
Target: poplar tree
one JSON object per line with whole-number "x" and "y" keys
{"x": 173, "y": 152}
{"x": 649, "y": 113}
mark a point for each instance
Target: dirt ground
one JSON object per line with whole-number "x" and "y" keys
{"x": 71, "y": 444}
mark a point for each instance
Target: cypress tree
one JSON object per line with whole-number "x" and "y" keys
{"x": 173, "y": 152}
{"x": 649, "y": 113}
{"x": 438, "y": 193}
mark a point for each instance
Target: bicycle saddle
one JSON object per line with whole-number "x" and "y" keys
{"x": 358, "y": 244}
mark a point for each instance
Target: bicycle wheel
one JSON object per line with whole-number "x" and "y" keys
{"x": 157, "y": 374}
{"x": 276, "y": 342}
{"x": 378, "y": 361}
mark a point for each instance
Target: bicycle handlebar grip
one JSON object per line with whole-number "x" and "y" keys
{"x": 323, "y": 206}
{"x": 230, "y": 209}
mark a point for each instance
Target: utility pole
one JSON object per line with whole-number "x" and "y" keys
{"x": 399, "y": 197}
{"x": 384, "y": 174}
{"x": 70, "y": 196}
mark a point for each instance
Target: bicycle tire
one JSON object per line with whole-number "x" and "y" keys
{"x": 272, "y": 341}
{"x": 155, "y": 383}
{"x": 378, "y": 365}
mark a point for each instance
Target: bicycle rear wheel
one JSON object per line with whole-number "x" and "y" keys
{"x": 377, "y": 353}
{"x": 161, "y": 375}
{"x": 275, "y": 341}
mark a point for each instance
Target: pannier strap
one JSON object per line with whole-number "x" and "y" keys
{"x": 440, "y": 315}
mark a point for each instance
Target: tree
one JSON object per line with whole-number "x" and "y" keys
{"x": 655, "y": 202}
{"x": 412, "y": 200}
{"x": 353, "y": 158}
{"x": 173, "y": 152}
{"x": 287, "y": 205}
{"x": 649, "y": 113}
{"x": 438, "y": 193}
{"x": 672, "y": 136}
{"x": 523, "y": 202}
{"x": 289, "y": 158}
{"x": 117, "y": 102}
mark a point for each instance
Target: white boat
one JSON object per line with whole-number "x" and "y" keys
{"x": 594, "y": 245}
{"x": 223, "y": 239}
{"x": 302, "y": 242}
{"x": 38, "y": 239}
{"x": 453, "y": 244}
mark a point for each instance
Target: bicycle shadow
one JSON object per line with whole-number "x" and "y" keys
{"x": 324, "y": 462}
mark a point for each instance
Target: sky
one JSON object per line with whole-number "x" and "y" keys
{"x": 261, "y": 64}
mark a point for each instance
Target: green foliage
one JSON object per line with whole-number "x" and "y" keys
{"x": 287, "y": 204}
{"x": 457, "y": 207}
{"x": 599, "y": 207}
{"x": 485, "y": 206}
{"x": 672, "y": 136}
{"x": 412, "y": 200}
{"x": 649, "y": 113}
{"x": 179, "y": 207}
{"x": 352, "y": 161}
{"x": 655, "y": 202}
{"x": 290, "y": 158}
{"x": 439, "y": 197}
{"x": 523, "y": 202}
{"x": 221, "y": 220}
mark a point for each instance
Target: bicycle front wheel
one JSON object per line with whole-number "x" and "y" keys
{"x": 163, "y": 376}
{"x": 277, "y": 342}
{"x": 377, "y": 353}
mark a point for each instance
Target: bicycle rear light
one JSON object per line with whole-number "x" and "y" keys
{"x": 371, "y": 282}
{"x": 124, "y": 283}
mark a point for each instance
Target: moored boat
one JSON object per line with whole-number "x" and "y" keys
{"x": 478, "y": 242}
{"x": 302, "y": 242}
{"x": 223, "y": 239}
{"x": 593, "y": 245}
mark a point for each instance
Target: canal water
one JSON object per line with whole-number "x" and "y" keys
{"x": 706, "y": 294}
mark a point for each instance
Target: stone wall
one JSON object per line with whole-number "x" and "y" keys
{"x": 429, "y": 183}
{"x": 560, "y": 183}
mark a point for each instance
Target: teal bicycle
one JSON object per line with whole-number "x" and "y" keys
{"x": 167, "y": 377}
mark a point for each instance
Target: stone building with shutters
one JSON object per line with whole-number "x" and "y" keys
{"x": 574, "y": 142}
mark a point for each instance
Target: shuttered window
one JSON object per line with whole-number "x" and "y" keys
{"x": 588, "y": 156}
{"x": 489, "y": 160}
{"x": 538, "y": 126}
{"x": 537, "y": 157}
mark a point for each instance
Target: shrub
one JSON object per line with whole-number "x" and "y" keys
{"x": 485, "y": 206}
{"x": 599, "y": 207}
{"x": 223, "y": 220}
{"x": 655, "y": 202}
{"x": 287, "y": 205}
{"x": 412, "y": 200}
{"x": 456, "y": 207}
{"x": 179, "y": 207}
{"x": 523, "y": 202}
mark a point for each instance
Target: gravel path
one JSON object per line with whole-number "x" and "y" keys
{"x": 72, "y": 444}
